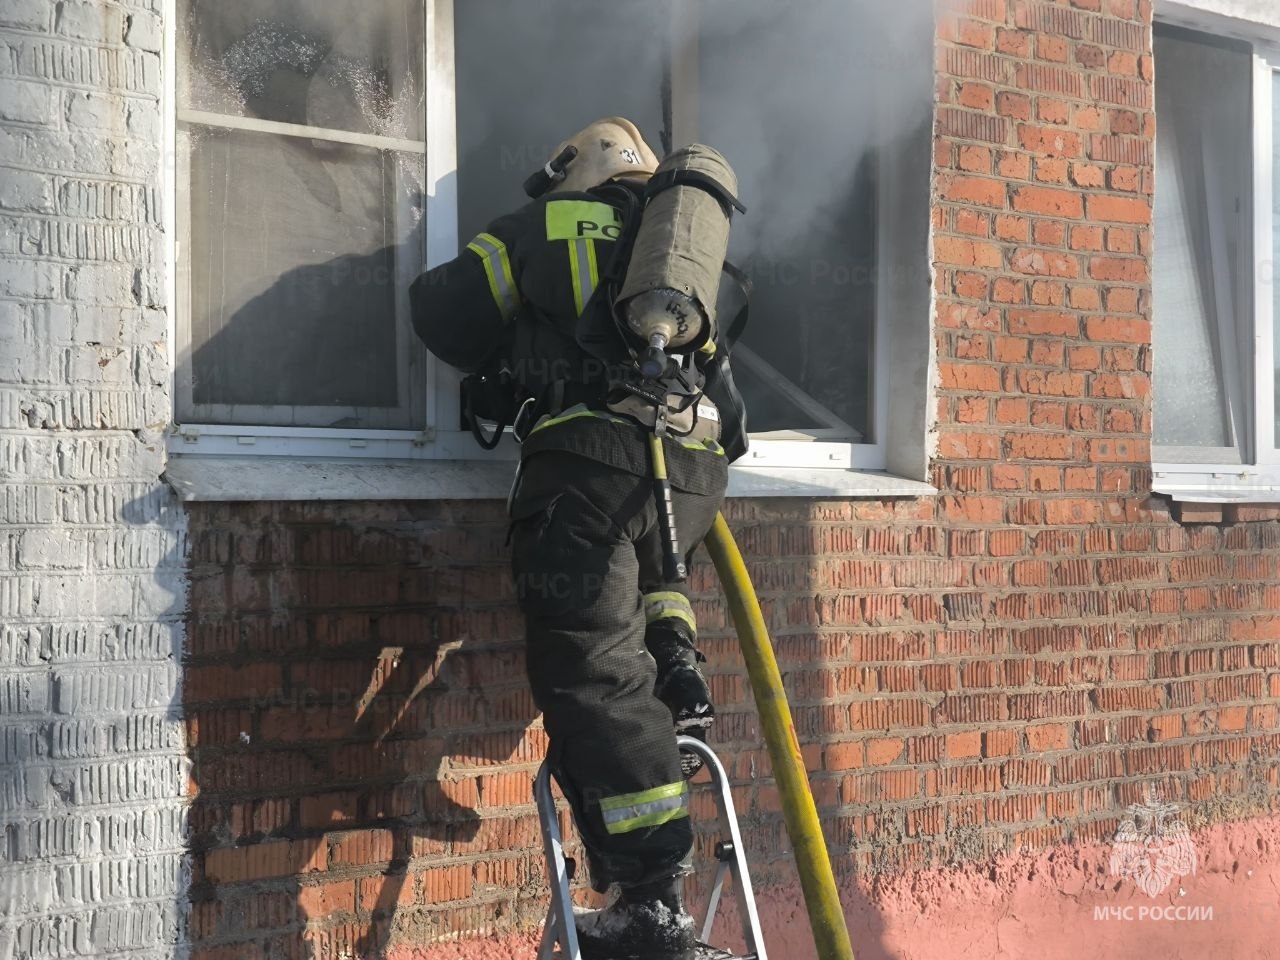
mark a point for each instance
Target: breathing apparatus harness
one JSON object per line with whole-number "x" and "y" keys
{"x": 650, "y": 329}
{"x": 656, "y": 375}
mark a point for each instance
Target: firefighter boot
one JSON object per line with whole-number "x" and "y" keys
{"x": 644, "y": 922}
{"x": 681, "y": 685}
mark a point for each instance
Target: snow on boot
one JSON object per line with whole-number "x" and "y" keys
{"x": 644, "y": 922}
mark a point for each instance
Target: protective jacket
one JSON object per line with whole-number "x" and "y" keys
{"x": 522, "y": 296}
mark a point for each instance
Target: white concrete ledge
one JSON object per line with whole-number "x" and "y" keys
{"x": 1217, "y": 493}
{"x": 1190, "y": 484}
{"x": 231, "y": 479}
{"x": 815, "y": 482}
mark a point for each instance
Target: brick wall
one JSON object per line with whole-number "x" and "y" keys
{"x": 1141, "y": 642}
{"x": 92, "y": 764}
{"x": 1002, "y": 668}
{"x": 364, "y": 749}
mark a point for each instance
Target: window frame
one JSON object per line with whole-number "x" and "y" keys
{"x": 1193, "y": 474}
{"x": 413, "y": 363}
{"x": 1266, "y": 223}
{"x": 785, "y": 449}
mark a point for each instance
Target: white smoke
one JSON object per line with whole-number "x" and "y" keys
{"x": 794, "y": 93}
{"x": 810, "y": 100}
{"x": 797, "y": 94}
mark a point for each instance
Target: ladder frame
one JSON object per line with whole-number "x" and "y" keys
{"x": 559, "y": 928}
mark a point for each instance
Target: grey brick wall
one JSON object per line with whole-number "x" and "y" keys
{"x": 92, "y": 590}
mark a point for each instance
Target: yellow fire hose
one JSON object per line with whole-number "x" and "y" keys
{"x": 830, "y": 934}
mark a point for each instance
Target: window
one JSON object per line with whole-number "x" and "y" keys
{"x": 322, "y": 160}
{"x": 1217, "y": 232}
{"x": 300, "y": 132}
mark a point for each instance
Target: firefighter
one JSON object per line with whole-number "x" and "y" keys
{"x": 610, "y": 633}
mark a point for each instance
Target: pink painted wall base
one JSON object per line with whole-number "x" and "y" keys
{"x": 1060, "y": 904}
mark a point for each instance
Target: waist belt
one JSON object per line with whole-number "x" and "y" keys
{"x": 700, "y": 421}
{"x": 554, "y": 399}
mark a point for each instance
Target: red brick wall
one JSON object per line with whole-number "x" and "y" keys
{"x": 1000, "y": 668}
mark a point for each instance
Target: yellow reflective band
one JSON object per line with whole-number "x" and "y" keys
{"x": 659, "y": 457}
{"x": 574, "y": 413}
{"x": 582, "y": 219}
{"x": 648, "y": 808}
{"x": 497, "y": 267}
{"x": 708, "y": 445}
{"x": 708, "y": 349}
{"x": 593, "y": 271}
{"x": 582, "y": 266}
{"x": 667, "y": 605}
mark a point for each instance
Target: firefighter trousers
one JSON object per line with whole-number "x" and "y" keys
{"x": 587, "y": 564}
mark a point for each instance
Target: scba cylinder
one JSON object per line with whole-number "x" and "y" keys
{"x": 668, "y": 297}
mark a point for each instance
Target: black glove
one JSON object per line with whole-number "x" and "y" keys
{"x": 682, "y": 687}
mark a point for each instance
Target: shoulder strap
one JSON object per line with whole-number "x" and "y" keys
{"x": 628, "y": 202}
{"x": 596, "y": 331}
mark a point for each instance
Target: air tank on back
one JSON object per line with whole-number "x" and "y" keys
{"x": 668, "y": 298}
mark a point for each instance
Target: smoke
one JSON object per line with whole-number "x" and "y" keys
{"x": 798, "y": 94}
{"x": 794, "y": 93}
{"x": 814, "y": 102}
{"x": 529, "y": 74}
{"x": 824, "y": 108}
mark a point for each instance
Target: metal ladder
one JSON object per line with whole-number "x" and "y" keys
{"x": 559, "y": 929}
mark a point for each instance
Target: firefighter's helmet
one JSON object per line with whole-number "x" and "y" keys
{"x": 608, "y": 148}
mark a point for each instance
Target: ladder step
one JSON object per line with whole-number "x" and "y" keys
{"x": 731, "y": 864}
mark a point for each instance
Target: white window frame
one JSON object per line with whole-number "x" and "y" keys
{"x": 1182, "y": 472}
{"x": 440, "y": 245}
{"x": 804, "y": 450}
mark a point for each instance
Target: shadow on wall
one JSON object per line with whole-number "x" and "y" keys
{"x": 361, "y": 735}
{"x": 323, "y": 336}
{"x": 349, "y": 690}
{"x": 359, "y": 721}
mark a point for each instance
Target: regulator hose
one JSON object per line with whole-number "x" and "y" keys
{"x": 817, "y": 882}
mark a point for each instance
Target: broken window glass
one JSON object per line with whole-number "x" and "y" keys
{"x": 301, "y": 149}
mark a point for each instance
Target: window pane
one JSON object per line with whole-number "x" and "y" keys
{"x": 808, "y": 108}
{"x": 1275, "y": 243}
{"x": 1202, "y": 170}
{"x": 293, "y": 301}
{"x": 298, "y": 249}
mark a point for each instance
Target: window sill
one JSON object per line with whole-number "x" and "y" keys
{"x": 1221, "y": 485}
{"x": 230, "y": 479}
